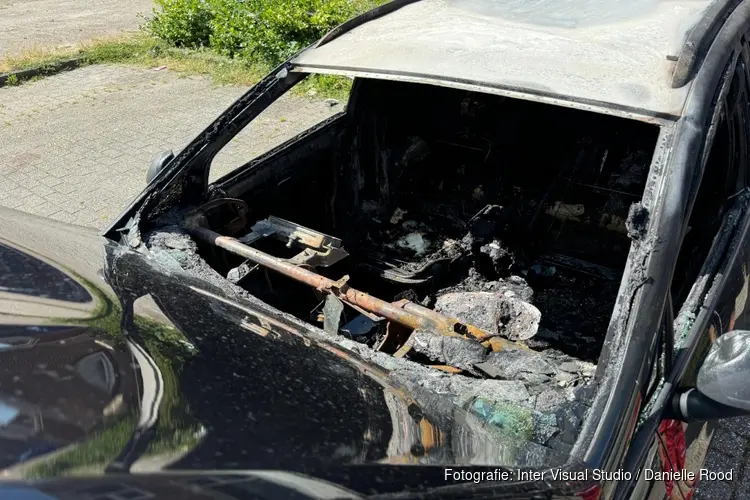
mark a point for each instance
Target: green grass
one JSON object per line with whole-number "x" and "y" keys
{"x": 148, "y": 52}
{"x": 333, "y": 86}
{"x": 101, "y": 448}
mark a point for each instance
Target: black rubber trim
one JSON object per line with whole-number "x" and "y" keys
{"x": 700, "y": 408}
{"x": 699, "y": 40}
{"x": 361, "y": 19}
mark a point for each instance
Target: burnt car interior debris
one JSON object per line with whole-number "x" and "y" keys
{"x": 479, "y": 236}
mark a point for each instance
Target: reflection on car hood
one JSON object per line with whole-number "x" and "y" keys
{"x": 260, "y": 485}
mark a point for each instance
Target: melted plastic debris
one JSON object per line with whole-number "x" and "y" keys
{"x": 496, "y": 313}
{"x": 566, "y": 211}
{"x": 414, "y": 242}
{"x": 397, "y": 216}
{"x": 500, "y": 257}
{"x": 455, "y": 351}
{"x": 637, "y": 222}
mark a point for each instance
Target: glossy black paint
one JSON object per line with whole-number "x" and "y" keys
{"x": 161, "y": 374}
{"x": 160, "y": 369}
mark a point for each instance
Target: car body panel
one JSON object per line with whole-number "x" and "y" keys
{"x": 612, "y": 52}
{"x": 164, "y": 370}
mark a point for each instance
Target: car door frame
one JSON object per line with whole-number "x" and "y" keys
{"x": 686, "y": 162}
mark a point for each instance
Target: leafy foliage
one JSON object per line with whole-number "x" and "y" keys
{"x": 184, "y": 23}
{"x": 266, "y": 31}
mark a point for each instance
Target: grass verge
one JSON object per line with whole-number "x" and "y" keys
{"x": 145, "y": 51}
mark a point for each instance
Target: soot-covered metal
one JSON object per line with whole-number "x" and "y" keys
{"x": 471, "y": 246}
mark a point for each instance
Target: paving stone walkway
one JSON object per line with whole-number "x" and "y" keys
{"x": 76, "y": 146}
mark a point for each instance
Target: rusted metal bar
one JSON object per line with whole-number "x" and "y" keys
{"x": 405, "y": 313}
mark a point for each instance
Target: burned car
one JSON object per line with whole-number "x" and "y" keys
{"x": 512, "y": 250}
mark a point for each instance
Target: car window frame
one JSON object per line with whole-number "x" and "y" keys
{"x": 688, "y": 169}
{"x": 670, "y": 359}
{"x": 698, "y": 297}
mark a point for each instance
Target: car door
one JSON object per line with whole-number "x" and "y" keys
{"x": 709, "y": 292}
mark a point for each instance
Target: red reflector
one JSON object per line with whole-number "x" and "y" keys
{"x": 591, "y": 493}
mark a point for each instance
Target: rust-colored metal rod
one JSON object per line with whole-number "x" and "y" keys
{"x": 347, "y": 294}
{"x": 409, "y": 314}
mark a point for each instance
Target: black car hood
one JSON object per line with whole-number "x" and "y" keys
{"x": 258, "y": 485}
{"x": 110, "y": 363}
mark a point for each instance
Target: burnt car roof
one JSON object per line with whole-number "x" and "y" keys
{"x": 617, "y": 53}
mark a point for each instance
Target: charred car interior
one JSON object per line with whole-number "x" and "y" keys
{"x": 470, "y": 244}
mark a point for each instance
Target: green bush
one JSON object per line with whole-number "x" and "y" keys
{"x": 184, "y": 23}
{"x": 233, "y": 20}
{"x": 266, "y": 31}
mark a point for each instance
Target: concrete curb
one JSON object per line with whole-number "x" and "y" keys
{"x": 42, "y": 70}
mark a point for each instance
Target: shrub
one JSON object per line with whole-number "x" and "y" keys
{"x": 266, "y": 31}
{"x": 184, "y": 23}
{"x": 233, "y": 21}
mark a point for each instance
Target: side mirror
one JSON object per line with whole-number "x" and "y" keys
{"x": 722, "y": 386}
{"x": 726, "y": 370}
{"x": 158, "y": 163}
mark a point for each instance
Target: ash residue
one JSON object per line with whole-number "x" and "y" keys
{"x": 173, "y": 248}
{"x": 494, "y": 312}
{"x": 455, "y": 351}
{"x": 518, "y": 364}
{"x": 475, "y": 282}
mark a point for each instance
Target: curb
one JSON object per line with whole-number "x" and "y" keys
{"x": 42, "y": 70}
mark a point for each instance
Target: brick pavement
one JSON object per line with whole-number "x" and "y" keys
{"x": 76, "y": 146}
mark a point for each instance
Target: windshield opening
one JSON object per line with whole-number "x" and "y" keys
{"x": 469, "y": 245}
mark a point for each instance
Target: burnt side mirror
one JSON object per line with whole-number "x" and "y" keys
{"x": 722, "y": 387}
{"x": 160, "y": 161}
{"x": 726, "y": 370}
